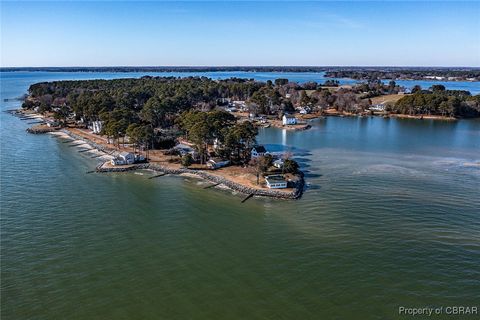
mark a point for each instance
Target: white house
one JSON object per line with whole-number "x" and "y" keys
{"x": 258, "y": 151}
{"x": 238, "y": 103}
{"x": 305, "y": 110}
{"x": 278, "y": 163}
{"x": 276, "y": 181}
{"x": 378, "y": 107}
{"x": 123, "y": 158}
{"x": 288, "y": 119}
{"x": 215, "y": 163}
{"x": 96, "y": 126}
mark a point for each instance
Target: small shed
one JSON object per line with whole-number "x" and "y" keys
{"x": 278, "y": 163}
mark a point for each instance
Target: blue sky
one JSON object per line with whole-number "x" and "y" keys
{"x": 112, "y": 33}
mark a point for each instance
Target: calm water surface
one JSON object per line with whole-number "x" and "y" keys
{"x": 390, "y": 217}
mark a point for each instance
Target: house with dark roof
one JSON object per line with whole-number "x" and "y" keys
{"x": 258, "y": 151}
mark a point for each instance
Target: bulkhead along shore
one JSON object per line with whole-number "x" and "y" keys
{"x": 208, "y": 128}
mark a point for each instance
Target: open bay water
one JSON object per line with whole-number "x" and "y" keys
{"x": 390, "y": 218}
{"x": 26, "y": 78}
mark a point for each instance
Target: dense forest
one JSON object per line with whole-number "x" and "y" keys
{"x": 159, "y": 100}
{"x": 438, "y": 101}
{"x": 154, "y": 110}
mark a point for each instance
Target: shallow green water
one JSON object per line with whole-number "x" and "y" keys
{"x": 390, "y": 217}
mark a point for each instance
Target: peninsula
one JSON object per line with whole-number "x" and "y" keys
{"x": 208, "y": 127}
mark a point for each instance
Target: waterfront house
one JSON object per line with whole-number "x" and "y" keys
{"x": 276, "y": 181}
{"x": 288, "y": 120}
{"x": 123, "y": 158}
{"x": 258, "y": 151}
{"x": 215, "y": 163}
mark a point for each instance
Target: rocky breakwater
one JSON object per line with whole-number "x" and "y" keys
{"x": 298, "y": 185}
{"x": 40, "y": 129}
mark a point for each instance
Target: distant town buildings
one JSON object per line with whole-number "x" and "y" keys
{"x": 377, "y": 107}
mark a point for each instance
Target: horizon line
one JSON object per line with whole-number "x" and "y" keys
{"x": 239, "y": 66}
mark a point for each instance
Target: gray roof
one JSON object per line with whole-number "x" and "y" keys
{"x": 124, "y": 153}
{"x": 275, "y": 178}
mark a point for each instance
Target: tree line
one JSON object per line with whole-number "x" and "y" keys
{"x": 438, "y": 101}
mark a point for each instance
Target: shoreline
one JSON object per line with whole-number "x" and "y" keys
{"x": 296, "y": 193}
{"x": 233, "y": 178}
{"x": 404, "y": 79}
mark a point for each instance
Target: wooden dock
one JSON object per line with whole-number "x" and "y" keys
{"x": 248, "y": 197}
